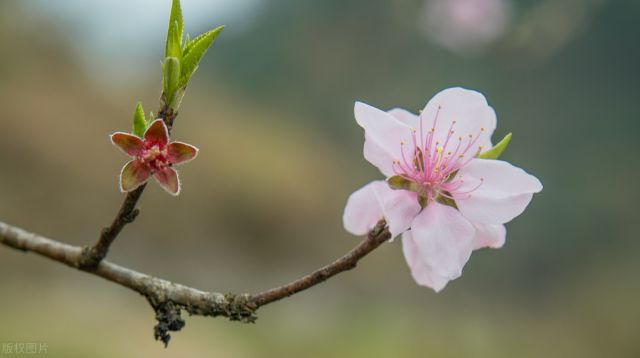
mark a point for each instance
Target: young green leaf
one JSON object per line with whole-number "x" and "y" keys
{"x": 175, "y": 30}
{"x": 150, "y": 118}
{"x": 170, "y": 79}
{"x": 193, "y": 52}
{"x": 186, "y": 42}
{"x": 173, "y": 47}
{"x": 188, "y": 45}
{"x": 497, "y": 149}
{"x": 139, "y": 123}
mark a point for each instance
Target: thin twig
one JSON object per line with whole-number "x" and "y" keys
{"x": 378, "y": 235}
{"x": 92, "y": 255}
{"x": 168, "y": 298}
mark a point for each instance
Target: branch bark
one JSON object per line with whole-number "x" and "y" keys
{"x": 91, "y": 256}
{"x": 378, "y": 235}
{"x": 169, "y": 298}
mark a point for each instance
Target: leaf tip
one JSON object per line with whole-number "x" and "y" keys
{"x": 496, "y": 151}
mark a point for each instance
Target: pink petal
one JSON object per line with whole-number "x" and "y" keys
{"x": 168, "y": 180}
{"x": 133, "y": 174}
{"x": 399, "y": 207}
{"x": 362, "y": 211}
{"x": 405, "y": 117}
{"x": 504, "y": 192}
{"x": 500, "y": 177}
{"x": 422, "y": 273}
{"x": 492, "y": 236}
{"x": 444, "y": 239}
{"x": 383, "y": 134}
{"x": 157, "y": 133}
{"x": 128, "y": 143}
{"x": 376, "y": 200}
{"x": 181, "y": 152}
{"x": 470, "y": 111}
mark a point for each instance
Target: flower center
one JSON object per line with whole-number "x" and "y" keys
{"x": 433, "y": 165}
{"x": 154, "y": 157}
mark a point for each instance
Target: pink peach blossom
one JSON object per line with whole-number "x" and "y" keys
{"x": 466, "y": 27}
{"x": 450, "y": 202}
{"x": 153, "y": 155}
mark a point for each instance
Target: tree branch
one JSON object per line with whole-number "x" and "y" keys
{"x": 168, "y": 298}
{"x": 91, "y": 256}
{"x": 378, "y": 235}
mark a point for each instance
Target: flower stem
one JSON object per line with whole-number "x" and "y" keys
{"x": 91, "y": 256}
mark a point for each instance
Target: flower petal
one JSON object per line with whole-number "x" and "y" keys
{"x": 492, "y": 236}
{"x": 383, "y": 134}
{"x": 469, "y": 109}
{"x": 422, "y": 273}
{"x": 168, "y": 180}
{"x": 181, "y": 152}
{"x": 503, "y": 193}
{"x": 128, "y": 143}
{"x": 362, "y": 211}
{"x": 405, "y": 117}
{"x": 157, "y": 133}
{"x": 133, "y": 174}
{"x": 399, "y": 207}
{"x": 444, "y": 238}
{"x": 376, "y": 200}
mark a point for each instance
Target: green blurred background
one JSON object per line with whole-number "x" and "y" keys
{"x": 271, "y": 110}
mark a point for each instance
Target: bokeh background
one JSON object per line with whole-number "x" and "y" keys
{"x": 271, "y": 110}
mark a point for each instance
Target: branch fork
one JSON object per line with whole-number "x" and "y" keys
{"x": 168, "y": 299}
